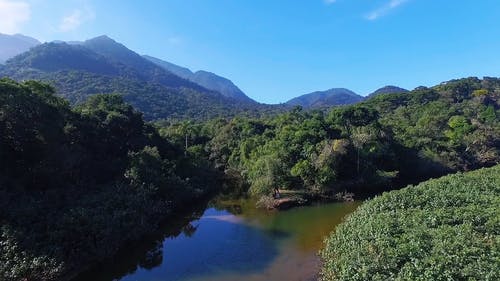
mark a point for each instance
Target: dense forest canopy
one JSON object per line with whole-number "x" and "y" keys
{"x": 74, "y": 178}
{"x": 387, "y": 141}
{"x": 76, "y": 183}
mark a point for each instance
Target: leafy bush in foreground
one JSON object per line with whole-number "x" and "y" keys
{"x": 442, "y": 229}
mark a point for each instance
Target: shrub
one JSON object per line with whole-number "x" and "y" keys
{"x": 442, "y": 229}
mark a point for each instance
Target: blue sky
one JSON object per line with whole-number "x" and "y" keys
{"x": 275, "y": 50}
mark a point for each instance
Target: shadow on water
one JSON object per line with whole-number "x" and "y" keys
{"x": 192, "y": 246}
{"x": 146, "y": 253}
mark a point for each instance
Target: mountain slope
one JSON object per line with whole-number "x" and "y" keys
{"x": 61, "y": 56}
{"x": 220, "y": 84}
{"x": 77, "y": 72}
{"x": 145, "y": 69}
{"x": 332, "y": 97}
{"x": 204, "y": 78}
{"x": 12, "y": 45}
{"x": 180, "y": 71}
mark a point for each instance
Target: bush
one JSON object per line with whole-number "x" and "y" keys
{"x": 442, "y": 229}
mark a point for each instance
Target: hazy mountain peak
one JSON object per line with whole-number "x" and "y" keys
{"x": 180, "y": 71}
{"x": 107, "y": 46}
{"x": 13, "y": 45}
{"x": 220, "y": 84}
{"x": 102, "y": 38}
{"x": 204, "y": 78}
{"x": 27, "y": 39}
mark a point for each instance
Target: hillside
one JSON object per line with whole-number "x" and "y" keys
{"x": 52, "y": 57}
{"x": 206, "y": 79}
{"x": 328, "y": 98}
{"x": 12, "y": 45}
{"x": 144, "y": 69}
{"x": 175, "y": 69}
{"x": 101, "y": 65}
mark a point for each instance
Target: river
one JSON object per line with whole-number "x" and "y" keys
{"x": 231, "y": 240}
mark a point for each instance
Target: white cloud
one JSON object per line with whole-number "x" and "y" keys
{"x": 382, "y": 11}
{"x": 12, "y": 15}
{"x": 76, "y": 19}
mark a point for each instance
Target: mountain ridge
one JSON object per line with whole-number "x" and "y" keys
{"x": 12, "y": 45}
{"x": 77, "y": 71}
{"x": 204, "y": 78}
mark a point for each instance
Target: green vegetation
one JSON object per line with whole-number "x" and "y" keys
{"x": 103, "y": 66}
{"x": 77, "y": 183}
{"x": 388, "y": 141}
{"x": 442, "y": 229}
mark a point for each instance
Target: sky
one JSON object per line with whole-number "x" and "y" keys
{"x": 275, "y": 50}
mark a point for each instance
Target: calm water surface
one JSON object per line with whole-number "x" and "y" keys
{"x": 232, "y": 241}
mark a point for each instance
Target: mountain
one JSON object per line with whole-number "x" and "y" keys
{"x": 204, "y": 78}
{"x": 50, "y": 57}
{"x": 12, "y": 45}
{"x": 332, "y": 97}
{"x": 220, "y": 84}
{"x": 101, "y": 65}
{"x": 180, "y": 71}
{"x": 388, "y": 90}
{"x": 144, "y": 69}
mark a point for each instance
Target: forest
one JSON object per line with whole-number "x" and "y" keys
{"x": 78, "y": 182}
{"x": 380, "y": 144}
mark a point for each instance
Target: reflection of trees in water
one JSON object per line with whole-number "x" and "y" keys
{"x": 153, "y": 257}
{"x": 146, "y": 253}
{"x": 189, "y": 229}
{"x": 234, "y": 209}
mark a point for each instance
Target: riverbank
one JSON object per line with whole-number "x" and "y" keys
{"x": 288, "y": 199}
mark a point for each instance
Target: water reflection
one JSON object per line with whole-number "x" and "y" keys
{"x": 146, "y": 254}
{"x": 231, "y": 241}
{"x": 217, "y": 246}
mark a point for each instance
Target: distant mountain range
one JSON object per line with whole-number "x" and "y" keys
{"x": 337, "y": 97}
{"x": 160, "y": 89}
{"x": 204, "y": 78}
{"x": 12, "y": 45}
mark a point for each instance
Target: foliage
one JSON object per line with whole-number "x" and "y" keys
{"x": 385, "y": 142}
{"x": 442, "y": 229}
{"x": 77, "y": 183}
{"x": 94, "y": 176}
